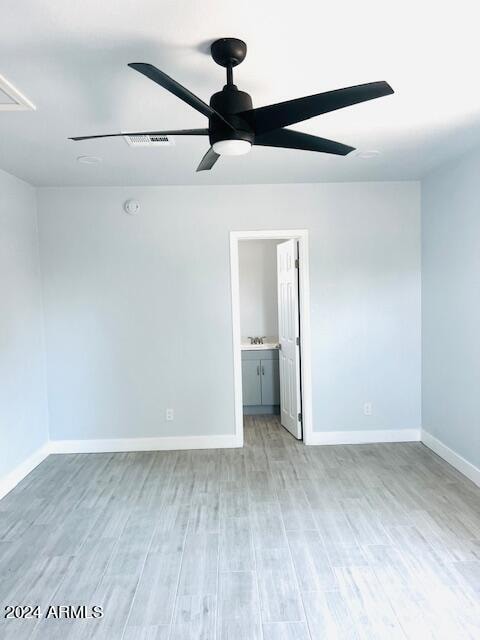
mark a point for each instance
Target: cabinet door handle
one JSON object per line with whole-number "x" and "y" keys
{"x": 263, "y": 371}
{"x": 258, "y": 369}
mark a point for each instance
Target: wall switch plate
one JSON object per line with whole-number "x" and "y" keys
{"x": 169, "y": 414}
{"x": 367, "y": 408}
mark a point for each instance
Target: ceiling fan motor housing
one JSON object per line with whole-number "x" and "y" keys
{"x": 229, "y": 102}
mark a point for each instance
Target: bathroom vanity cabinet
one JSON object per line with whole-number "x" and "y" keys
{"x": 260, "y": 381}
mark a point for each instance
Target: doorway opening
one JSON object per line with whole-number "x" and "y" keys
{"x": 271, "y": 328}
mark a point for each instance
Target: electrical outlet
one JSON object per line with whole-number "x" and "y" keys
{"x": 367, "y": 408}
{"x": 169, "y": 414}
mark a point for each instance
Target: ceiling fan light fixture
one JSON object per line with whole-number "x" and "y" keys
{"x": 232, "y": 147}
{"x": 234, "y": 125}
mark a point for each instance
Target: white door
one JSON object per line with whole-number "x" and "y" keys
{"x": 289, "y": 337}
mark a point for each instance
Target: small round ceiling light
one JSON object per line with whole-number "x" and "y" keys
{"x": 89, "y": 160}
{"x": 368, "y": 154}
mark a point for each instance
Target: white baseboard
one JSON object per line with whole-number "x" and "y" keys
{"x": 9, "y": 481}
{"x": 456, "y": 460}
{"x": 364, "y": 437}
{"x": 145, "y": 444}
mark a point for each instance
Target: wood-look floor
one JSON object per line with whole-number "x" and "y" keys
{"x": 275, "y": 541}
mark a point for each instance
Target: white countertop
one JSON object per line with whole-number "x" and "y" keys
{"x": 270, "y": 342}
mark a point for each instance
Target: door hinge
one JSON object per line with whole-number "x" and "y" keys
{"x": 297, "y": 263}
{"x": 298, "y": 342}
{"x": 279, "y": 346}
{"x": 299, "y": 417}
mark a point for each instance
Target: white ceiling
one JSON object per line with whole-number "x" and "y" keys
{"x": 69, "y": 57}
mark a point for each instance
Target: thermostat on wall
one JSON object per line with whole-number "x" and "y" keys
{"x": 131, "y": 207}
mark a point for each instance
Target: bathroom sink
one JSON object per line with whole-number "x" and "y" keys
{"x": 270, "y": 342}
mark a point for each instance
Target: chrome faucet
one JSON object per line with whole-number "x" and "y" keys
{"x": 256, "y": 339}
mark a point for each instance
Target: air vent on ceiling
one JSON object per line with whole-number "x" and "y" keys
{"x": 148, "y": 141}
{"x": 11, "y": 99}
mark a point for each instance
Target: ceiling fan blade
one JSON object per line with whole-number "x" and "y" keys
{"x": 283, "y": 114}
{"x": 208, "y": 160}
{"x": 174, "y": 132}
{"x": 174, "y": 87}
{"x": 288, "y": 139}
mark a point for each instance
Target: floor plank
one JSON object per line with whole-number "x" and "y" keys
{"x": 239, "y": 612}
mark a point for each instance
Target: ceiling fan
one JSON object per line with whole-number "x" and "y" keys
{"x": 234, "y": 126}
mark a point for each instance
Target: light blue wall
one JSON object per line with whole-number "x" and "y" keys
{"x": 23, "y": 408}
{"x": 138, "y": 309}
{"x": 451, "y": 305}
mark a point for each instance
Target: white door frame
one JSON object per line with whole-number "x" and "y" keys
{"x": 305, "y": 341}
